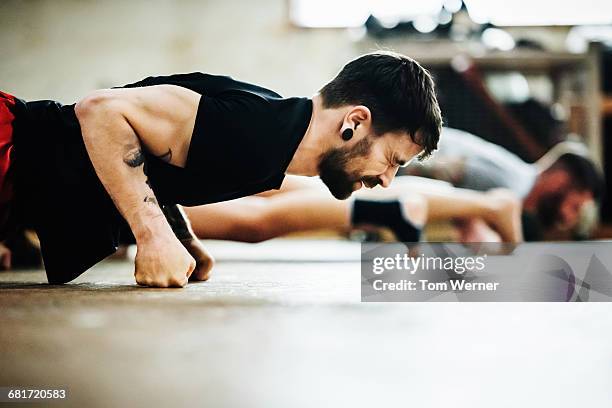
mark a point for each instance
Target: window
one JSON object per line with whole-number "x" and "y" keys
{"x": 353, "y": 13}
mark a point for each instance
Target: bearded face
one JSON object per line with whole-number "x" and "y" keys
{"x": 337, "y": 169}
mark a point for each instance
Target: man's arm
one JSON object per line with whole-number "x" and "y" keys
{"x": 182, "y": 229}
{"x": 116, "y": 126}
{"x": 445, "y": 168}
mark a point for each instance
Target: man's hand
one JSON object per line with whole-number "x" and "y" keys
{"x": 182, "y": 229}
{"x": 204, "y": 260}
{"x": 162, "y": 261}
{"x": 505, "y": 214}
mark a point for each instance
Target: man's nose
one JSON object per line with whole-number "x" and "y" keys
{"x": 387, "y": 176}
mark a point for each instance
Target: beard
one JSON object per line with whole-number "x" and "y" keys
{"x": 333, "y": 169}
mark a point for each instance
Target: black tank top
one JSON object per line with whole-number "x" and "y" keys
{"x": 243, "y": 140}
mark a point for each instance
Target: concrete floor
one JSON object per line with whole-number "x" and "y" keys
{"x": 270, "y": 332}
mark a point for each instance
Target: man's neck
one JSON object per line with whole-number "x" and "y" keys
{"x": 306, "y": 159}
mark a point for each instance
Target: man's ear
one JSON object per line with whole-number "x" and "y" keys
{"x": 359, "y": 116}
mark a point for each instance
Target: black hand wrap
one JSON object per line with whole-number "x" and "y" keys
{"x": 385, "y": 214}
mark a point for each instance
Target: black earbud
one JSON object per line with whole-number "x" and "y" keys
{"x": 347, "y": 134}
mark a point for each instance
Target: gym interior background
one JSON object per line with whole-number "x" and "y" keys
{"x": 270, "y": 331}
{"x": 550, "y": 81}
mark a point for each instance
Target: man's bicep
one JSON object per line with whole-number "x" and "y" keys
{"x": 163, "y": 118}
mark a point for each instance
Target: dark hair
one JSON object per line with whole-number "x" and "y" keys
{"x": 398, "y": 91}
{"x": 583, "y": 173}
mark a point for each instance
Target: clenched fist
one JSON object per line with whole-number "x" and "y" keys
{"x": 203, "y": 258}
{"x": 162, "y": 261}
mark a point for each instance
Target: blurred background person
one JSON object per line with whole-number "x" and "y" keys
{"x": 560, "y": 193}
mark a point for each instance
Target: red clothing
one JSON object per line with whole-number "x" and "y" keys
{"x": 7, "y": 102}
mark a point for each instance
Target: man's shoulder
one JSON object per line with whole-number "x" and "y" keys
{"x": 206, "y": 84}
{"x": 189, "y": 80}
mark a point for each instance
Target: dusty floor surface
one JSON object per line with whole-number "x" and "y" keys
{"x": 270, "y": 332}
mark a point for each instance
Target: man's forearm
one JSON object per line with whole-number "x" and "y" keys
{"x": 182, "y": 230}
{"x": 178, "y": 222}
{"x": 116, "y": 154}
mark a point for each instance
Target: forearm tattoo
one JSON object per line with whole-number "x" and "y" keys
{"x": 133, "y": 156}
{"x": 150, "y": 199}
{"x": 178, "y": 221}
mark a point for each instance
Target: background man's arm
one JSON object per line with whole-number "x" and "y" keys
{"x": 445, "y": 168}
{"x": 116, "y": 126}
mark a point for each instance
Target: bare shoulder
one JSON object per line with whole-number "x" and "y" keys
{"x": 164, "y": 100}
{"x": 162, "y": 116}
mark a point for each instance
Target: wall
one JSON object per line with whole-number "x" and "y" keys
{"x": 62, "y": 49}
